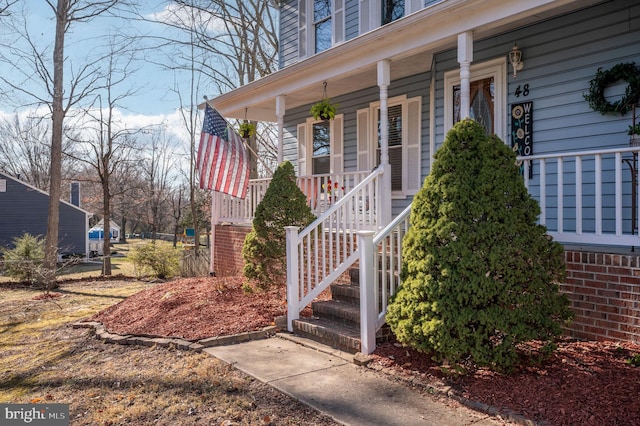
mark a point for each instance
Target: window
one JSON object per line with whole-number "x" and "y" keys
{"x": 487, "y": 96}
{"x": 405, "y": 129}
{"x": 392, "y": 10}
{"x": 320, "y": 25}
{"x": 394, "y": 114}
{"x": 321, "y": 142}
{"x": 482, "y": 98}
{"x": 374, "y": 13}
{"x": 320, "y": 146}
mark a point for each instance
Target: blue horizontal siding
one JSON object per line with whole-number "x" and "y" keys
{"x": 25, "y": 210}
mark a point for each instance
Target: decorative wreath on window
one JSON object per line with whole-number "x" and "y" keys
{"x": 625, "y": 71}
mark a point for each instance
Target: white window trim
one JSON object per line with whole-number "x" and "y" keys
{"x": 371, "y": 12}
{"x": 335, "y": 146}
{"x": 306, "y": 29}
{"x": 373, "y": 141}
{"x": 496, "y": 68}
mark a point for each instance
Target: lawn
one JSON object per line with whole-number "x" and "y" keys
{"x": 43, "y": 359}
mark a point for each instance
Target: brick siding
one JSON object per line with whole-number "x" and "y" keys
{"x": 604, "y": 290}
{"x": 229, "y": 240}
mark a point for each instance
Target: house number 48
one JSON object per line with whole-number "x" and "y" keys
{"x": 524, "y": 90}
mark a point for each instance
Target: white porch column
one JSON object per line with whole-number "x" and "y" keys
{"x": 465, "y": 57}
{"x": 280, "y": 109}
{"x": 384, "y": 79}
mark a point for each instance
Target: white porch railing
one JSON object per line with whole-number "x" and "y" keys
{"x": 321, "y": 252}
{"x": 380, "y": 266}
{"x": 319, "y": 195}
{"x": 586, "y": 197}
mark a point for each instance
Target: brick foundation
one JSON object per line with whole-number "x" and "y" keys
{"x": 229, "y": 240}
{"x": 604, "y": 290}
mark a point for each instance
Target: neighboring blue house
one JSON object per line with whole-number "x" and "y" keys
{"x": 23, "y": 209}
{"x": 404, "y": 71}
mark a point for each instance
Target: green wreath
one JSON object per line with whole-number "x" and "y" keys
{"x": 627, "y": 72}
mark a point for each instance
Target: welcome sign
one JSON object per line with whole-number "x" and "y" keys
{"x": 522, "y": 127}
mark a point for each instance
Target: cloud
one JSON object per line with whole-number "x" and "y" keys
{"x": 185, "y": 16}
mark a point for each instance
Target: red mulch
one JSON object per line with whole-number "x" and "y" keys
{"x": 47, "y": 296}
{"x": 584, "y": 383}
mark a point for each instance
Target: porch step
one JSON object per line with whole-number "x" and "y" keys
{"x": 336, "y": 311}
{"x": 347, "y": 293}
{"x": 330, "y": 333}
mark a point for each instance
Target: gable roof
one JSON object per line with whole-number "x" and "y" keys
{"x": 33, "y": 188}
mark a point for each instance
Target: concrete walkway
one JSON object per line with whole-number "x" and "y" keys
{"x": 330, "y": 382}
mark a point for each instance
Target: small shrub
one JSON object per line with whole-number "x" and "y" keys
{"x": 24, "y": 261}
{"x": 480, "y": 275}
{"x": 160, "y": 260}
{"x": 634, "y": 360}
{"x": 264, "y": 249}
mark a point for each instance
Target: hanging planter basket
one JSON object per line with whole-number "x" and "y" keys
{"x": 325, "y": 109}
{"x": 247, "y": 130}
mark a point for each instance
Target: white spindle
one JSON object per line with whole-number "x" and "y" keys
{"x": 618, "y": 186}
{"x": 560, "y": 195}
{"x": 598, "y": 194}
{"x": 578, "y": 195}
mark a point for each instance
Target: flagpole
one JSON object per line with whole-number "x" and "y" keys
{"x": 212, "y": 271}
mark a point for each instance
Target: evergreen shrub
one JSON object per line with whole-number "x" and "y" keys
{"x": 480, "y": 275}
{"x": 24, "y": 261}
{"x": 264, "y": 250}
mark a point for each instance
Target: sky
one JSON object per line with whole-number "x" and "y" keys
{"x": 155, "y": 103}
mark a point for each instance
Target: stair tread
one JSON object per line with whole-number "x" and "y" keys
{"x": 346, "y": 306}
{"x": 337, "y": 327}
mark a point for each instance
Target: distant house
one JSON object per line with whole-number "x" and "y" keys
{"x": 96, "y": 237}
{"x": 23, "y": 209}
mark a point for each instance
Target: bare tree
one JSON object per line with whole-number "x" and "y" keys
{"x": 25, "y": 151}
{"x": 4, "y": 7}
{"x": 158, "y": 167}
{"x": 31, "y": 63}
{"x": 226, "y": 43}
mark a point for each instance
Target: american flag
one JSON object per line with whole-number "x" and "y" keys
{"x": 222, "y": 160}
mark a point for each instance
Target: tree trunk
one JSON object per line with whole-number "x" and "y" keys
{"x": 55, "y": 170}
{"x": 106, "y": 252}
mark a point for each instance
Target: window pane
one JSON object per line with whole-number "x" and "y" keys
{"x": 392, "y": 10}
{"x": 321, "y": 166}
{"x": 321, "y": 10}
{"x": 394, "y": 114}
{"x": 482, "y": 93}
{"x": 321, "y": 148}
{"x": 323, "y": 35}
{"x": 322, "y": 24}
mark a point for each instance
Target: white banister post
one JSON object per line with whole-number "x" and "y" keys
{"x": 384, "y": 79}
{"x": 465, "y": 57}
{"x": 368, "y": 308}
{"x": 280, "y": 110}
{"x": 293, "y": 295}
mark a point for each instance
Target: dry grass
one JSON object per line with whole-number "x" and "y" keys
{"x": 43, "y": 359}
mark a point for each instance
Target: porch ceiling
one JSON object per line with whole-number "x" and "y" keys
{"x": 409, "y": 44}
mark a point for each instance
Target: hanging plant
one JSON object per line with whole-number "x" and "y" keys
{"x": 625, "y": 71}
{"x": 247, "y": 129}
{"x": 324, "y": 110}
